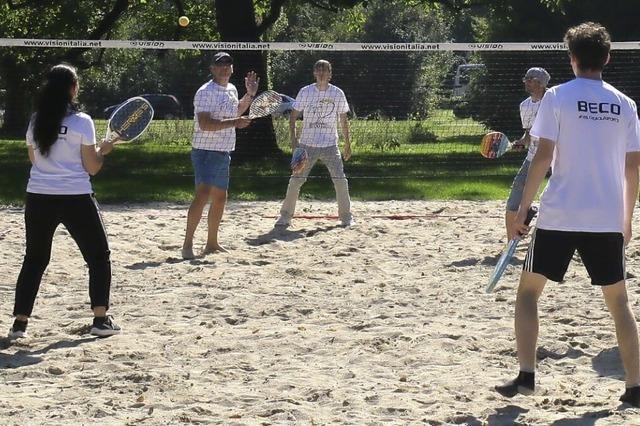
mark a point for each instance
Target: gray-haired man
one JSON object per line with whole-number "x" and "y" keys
{"x": 535, "y": 84}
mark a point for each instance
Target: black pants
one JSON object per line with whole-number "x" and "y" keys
{"x": 81, "y": 216}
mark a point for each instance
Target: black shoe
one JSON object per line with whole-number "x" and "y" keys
{"x": 523, "y": 384}
{"x": 18, "y": 330}
{"x": 632, "y": 396}
{"x": 104, "y": 326}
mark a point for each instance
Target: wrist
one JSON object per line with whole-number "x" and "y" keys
{"x": 105, "y": 148}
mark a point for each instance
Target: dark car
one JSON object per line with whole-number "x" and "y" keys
{"x": 165, "y": 107}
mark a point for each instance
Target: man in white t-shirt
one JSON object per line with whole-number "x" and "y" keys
{"x": 591, "y": 132}
{"x": 217, "y": 111}
{"x": 535, "y": 83}
{"x": 324, "y": 105}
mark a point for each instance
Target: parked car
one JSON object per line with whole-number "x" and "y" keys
{"x": 165, "y": 107}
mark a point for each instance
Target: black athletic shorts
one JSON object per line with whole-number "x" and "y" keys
{"x": 602, "y": 254}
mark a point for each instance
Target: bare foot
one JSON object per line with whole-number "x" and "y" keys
{"x": 212, "y": 249}
{"x": 187, "y": 253}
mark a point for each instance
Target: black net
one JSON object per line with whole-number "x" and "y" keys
{"x": 415, "y": 114}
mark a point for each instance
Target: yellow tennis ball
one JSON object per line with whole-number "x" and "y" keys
{"x": 183, "y": 21}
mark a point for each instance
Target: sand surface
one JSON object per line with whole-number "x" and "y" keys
{"x": 383, "y": 323}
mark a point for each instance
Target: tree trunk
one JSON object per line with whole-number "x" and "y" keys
{"x": 236, "y": 21}
{"x": 16, "y": 105}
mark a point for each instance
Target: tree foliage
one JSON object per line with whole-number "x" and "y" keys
{"x": 543, "y": 20}
{"x": 110, "y": 75}
{"x": 378, "y": 84}
{"x": 106, "y": 75}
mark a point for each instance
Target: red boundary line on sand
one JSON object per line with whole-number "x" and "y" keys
{"x": 388, "y": 216}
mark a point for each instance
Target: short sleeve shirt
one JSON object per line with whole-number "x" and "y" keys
{"x": 220, "y": 102}
{"x": 593, "y": 126}
{"x": 321, "y": 110}
{"x": 61, "y": 172}
{"x": 528, "y": 111}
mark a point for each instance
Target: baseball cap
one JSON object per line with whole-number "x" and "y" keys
{"x": 222, "y": 58}
{"x": 539, "y": 74}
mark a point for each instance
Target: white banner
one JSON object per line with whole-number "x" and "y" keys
{"x": 348, "y": 47}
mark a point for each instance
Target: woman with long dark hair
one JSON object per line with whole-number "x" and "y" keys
{"x": 63, "y": 153}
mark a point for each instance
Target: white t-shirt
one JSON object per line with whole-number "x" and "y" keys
{"x": 220, "y": 102}
{"x": 321, "y": 111}
{"x": 528, "y": 111}
{"x": 593, "y": 126}
{"x": 61, "y": 171}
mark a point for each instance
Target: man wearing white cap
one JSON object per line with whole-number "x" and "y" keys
{"x": 535, "y": 84}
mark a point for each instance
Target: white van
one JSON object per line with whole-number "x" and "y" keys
{"x": 462, "y": 77}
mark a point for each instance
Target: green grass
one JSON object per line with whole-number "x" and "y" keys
{"x": 431, "y": 159}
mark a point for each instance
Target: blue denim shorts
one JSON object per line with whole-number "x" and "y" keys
{"x": 211, "y": 167}
{"x": 517, "y": 188}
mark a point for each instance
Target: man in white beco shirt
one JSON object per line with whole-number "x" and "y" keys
{"x": 590, "y": 130}
{"x": 323, "y": 105}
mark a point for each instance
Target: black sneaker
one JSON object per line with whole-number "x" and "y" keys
{"x": 523, "y": 384}
{"x": 104, "y": 326}
{"x": 631, "y": 396}
{"x": 18, "y": 330}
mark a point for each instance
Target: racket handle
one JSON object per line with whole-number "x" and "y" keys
{"x": 112, "y": 137}
{"x": 533, "y": 211}
{"x": 508, "y": 253}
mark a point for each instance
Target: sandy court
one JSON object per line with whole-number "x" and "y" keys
{"x": 383, "y": 323}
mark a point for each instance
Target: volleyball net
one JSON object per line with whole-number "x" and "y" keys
{"x": 417, "y": 109}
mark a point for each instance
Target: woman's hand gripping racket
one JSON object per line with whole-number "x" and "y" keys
{"x": 265, "y": 104}
{"x": 507, "y": 254}
{"x": 129, "y": 121}
{"x": 494, "y": 145}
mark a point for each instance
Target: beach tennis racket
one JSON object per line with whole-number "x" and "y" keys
{"x": 494, "y": 145}
{"x": 299, "y": 160}
{"x": 507, "y": 254}
{"x": 129, "y": 120}
{"x": 265, "y": 104}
